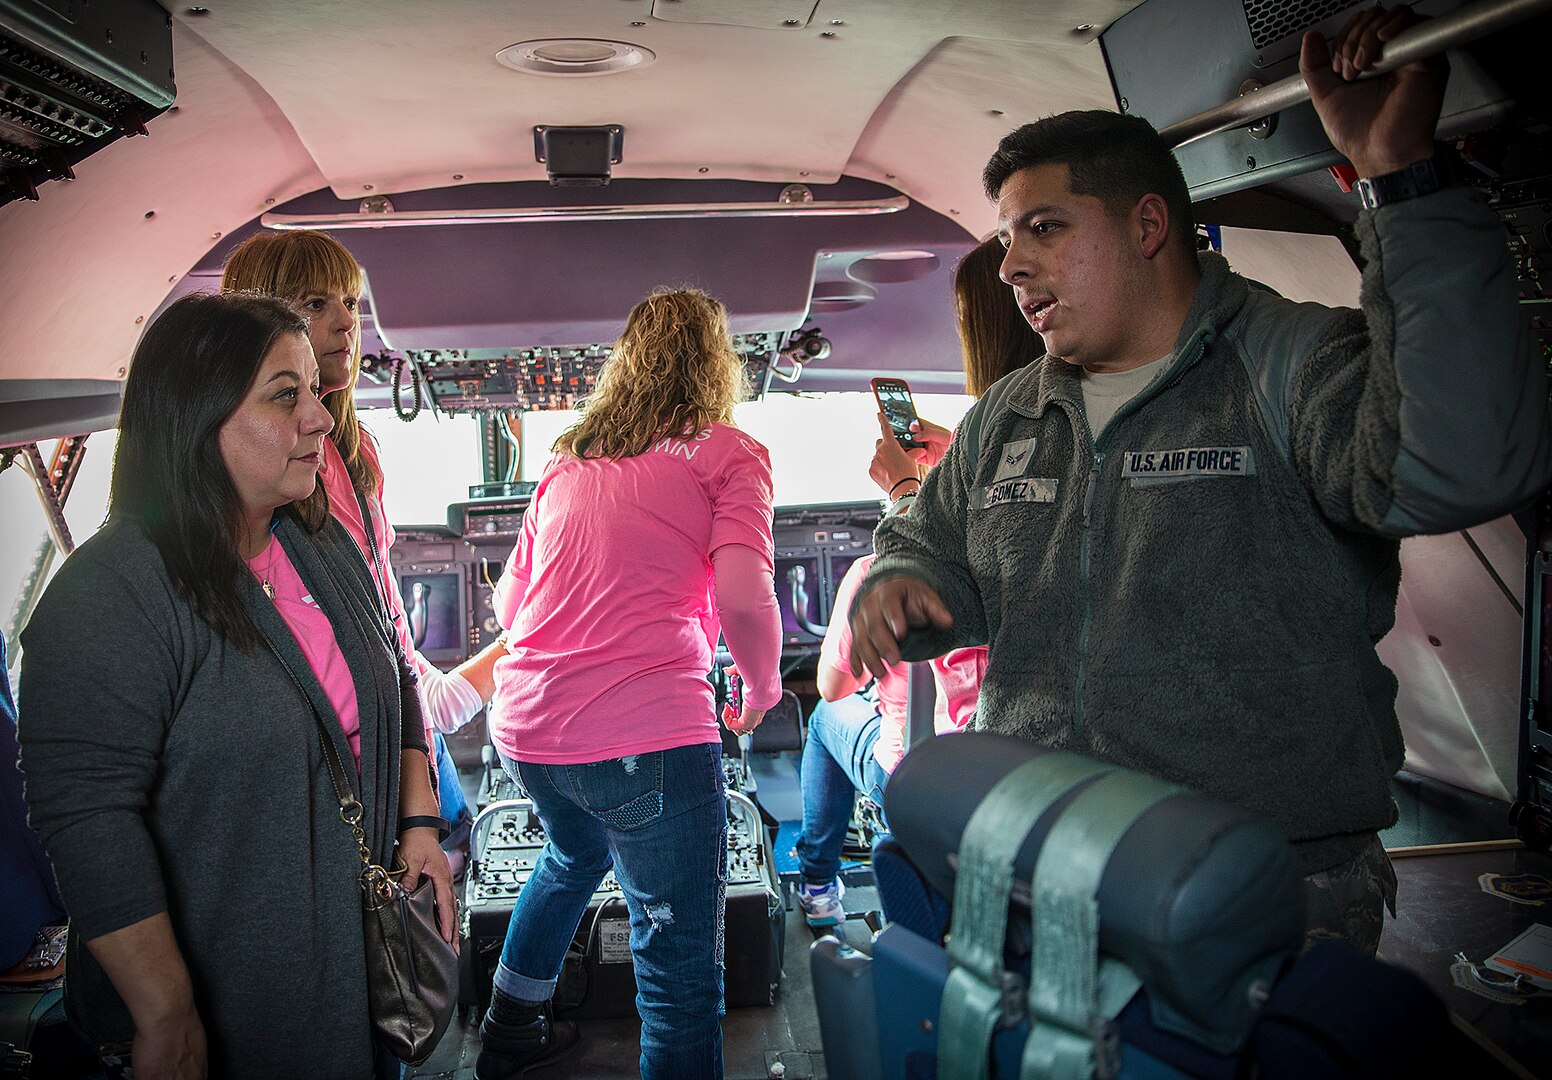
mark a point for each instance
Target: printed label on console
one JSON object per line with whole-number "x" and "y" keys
{"x": 614, "y": 941}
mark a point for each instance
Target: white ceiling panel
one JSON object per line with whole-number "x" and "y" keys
{"x": 401, "y": 94}
{"x": 934, "y": 132}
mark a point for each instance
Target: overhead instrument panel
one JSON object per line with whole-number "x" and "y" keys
{"x": 531, "y": 380}
{"x": 1525, "y": 208}
{"x": 1236, "y": 47}
{"x": 521, "y": 380}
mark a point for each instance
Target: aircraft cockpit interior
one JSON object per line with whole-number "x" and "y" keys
{"x": 853, "y": 539}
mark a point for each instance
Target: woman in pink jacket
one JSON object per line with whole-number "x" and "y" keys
{"x": 649, "y": 532}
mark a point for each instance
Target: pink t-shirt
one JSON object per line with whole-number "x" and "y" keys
{"x": 610, "y": 601}
{"x": 344, "y": 508}
{"x": 315, "y": 634}
{"x": 957, "y": 675}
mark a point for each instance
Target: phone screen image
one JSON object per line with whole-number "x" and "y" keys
{"x": 894, "y": 398}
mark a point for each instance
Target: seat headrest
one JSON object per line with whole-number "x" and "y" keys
{"x": 1200, "y": 899}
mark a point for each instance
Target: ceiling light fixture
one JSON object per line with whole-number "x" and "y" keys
{"x": 574, "y": 57}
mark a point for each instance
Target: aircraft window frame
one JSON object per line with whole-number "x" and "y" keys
{"x": 820, "y": 444}
{"x": 427, "y": 463}
{"x": 26, "y": 528}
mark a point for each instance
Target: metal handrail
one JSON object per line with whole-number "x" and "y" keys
{"x": 1426, "y": 39}
{"x": 482, "y": 823}
{"x": 398, "y": 219}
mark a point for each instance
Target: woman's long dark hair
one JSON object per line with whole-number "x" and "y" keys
{"x": 190, "y": 371}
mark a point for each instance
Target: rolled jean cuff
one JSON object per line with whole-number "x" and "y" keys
{"x": 522, "y": 987}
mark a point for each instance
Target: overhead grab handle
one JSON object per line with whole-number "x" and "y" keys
{"x": 1428, "y": 38}
{"x": 398, "y": 219}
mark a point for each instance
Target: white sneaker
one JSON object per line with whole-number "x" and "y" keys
{"x": 822, "y": 903}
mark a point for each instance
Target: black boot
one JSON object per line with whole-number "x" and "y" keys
{"x": 518, "y": 1036}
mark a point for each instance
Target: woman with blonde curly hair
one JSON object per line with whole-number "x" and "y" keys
{"x": 649, "y": 532}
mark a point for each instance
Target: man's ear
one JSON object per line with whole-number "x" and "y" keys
{"x": 1150, "y": 225}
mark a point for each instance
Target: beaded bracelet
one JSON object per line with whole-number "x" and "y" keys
{"x": 906, "y": 480}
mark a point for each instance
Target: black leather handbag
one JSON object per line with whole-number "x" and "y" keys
{"x": 411, "y": 972}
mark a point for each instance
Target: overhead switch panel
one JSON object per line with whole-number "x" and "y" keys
{"x": 74, "y": 77}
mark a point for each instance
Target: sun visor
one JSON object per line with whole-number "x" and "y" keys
{"x": 32, "y": 410}
{"x": 545, "y": 282}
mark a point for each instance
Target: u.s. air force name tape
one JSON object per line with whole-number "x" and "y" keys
{"x": 1141, "y": 466}
{"x": 1013, "y": 491}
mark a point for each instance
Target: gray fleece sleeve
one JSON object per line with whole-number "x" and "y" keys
{"x": 1427, "y": 412}
{"x": 929, "y": 543}
{"x": 98, "y": 684}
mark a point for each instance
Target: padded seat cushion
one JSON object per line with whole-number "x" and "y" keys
{"x": 1200, "y": 899}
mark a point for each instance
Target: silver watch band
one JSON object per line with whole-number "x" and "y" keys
{"x": 1419, "y": 178}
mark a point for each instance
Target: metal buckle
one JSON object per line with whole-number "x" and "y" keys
{"x": 375, "y": 879}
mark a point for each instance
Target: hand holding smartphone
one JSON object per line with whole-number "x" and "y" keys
{"x": 894, "y": 401}
{"x": 735, "y": 716}
{"x": 735, "y": 692}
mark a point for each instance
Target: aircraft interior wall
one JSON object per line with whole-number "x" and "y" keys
{"x": 857, "y": 131}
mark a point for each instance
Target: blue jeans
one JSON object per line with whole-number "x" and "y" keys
{"x": 659, "y": 820}
{"x": 450, "y": 798}
{"x": 838, "y": 762}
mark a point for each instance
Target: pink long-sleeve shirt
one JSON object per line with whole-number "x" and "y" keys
{"x": 610, "y": 597}
{"x": 957, "y": 675}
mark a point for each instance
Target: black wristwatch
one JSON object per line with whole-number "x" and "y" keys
{"x": 1420, "y": 178}
{"x": 426, "y": 821}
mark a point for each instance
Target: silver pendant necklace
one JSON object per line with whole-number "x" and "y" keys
{"x": 269, "y": 567}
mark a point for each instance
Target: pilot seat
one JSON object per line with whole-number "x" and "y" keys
{"x": 1049, "y": 915}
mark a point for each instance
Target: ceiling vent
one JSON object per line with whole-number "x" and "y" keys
{"x": 574, "y": 57}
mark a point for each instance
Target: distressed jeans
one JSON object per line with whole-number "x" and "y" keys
{"x": 838, "y": 762}
{"x": 659, "y": 820}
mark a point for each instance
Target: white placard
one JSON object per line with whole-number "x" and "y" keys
{"x": 614, "y": 941}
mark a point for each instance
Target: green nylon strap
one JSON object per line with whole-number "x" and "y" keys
{"x": 973, "y": 996}
{"x": 1071, "y": 995}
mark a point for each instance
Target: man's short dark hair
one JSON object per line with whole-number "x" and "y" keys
{"x": 1117, "y": 159}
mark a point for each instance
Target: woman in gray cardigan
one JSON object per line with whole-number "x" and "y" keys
{"x": 174, "y": 766}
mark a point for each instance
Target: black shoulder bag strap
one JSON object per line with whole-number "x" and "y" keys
{"x": 351, "y": 810}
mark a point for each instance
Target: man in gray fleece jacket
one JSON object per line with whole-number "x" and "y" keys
{"x": 1179, "y": 532}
